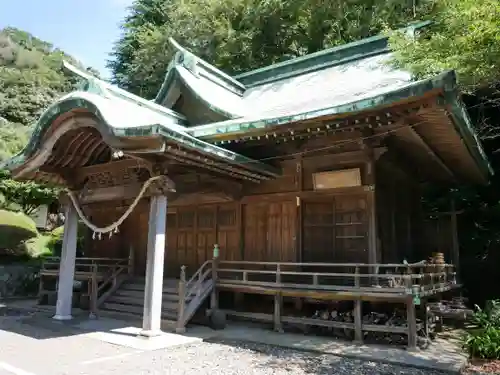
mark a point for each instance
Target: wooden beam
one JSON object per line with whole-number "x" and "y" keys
{"x": 114, "y": 165}
{"x": 107, "y": 194}
{"x": 292, "y": 195}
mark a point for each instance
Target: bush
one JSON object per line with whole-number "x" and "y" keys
{"x": 489, "y": 317}
{"x": 484, "y": 341}
{"x": 15, "y": 227}
{"x": 38, "y": 247}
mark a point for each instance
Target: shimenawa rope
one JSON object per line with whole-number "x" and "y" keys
{"x": 114, "y": 226}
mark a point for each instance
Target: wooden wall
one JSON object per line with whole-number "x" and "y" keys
{"x": 283, "y": 220}
{"x": 335, "y": 229}
{"x": 399, "y": 215}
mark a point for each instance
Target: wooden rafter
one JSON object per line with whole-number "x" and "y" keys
{"x": 83, "y": 151}
{"x": 430, "y": 152}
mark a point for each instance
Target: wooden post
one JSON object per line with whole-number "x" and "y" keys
{"x": 214, "y": 298}
{"x": 278, "y": 301}
{"x": 411, "y": 314}
{"x": 454, "y": 232}
{"x": 93, "y": 294}
{"x": 40, "y": 290}
{"x": 131, "y": 259}
{"x": 358, "y": 313}
{"x": 182, "y": 302}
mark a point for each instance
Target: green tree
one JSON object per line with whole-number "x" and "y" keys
{"x": 239, "y": 35}
{"x": 25, "y": 196}
{"x": 31, "y": 78}
{"x": 465, "y": 37}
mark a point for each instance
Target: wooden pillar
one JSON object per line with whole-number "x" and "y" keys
{"x": 394, "y": 234}
{"x": 411, "y": 316}
{"x": 373, "y": 255}
{"x": 153, "y": 294}
{"x": 67, "y": 266}
{"x": 278, "y": 302}
{"x": 358, "y": 312}
{"x": 214, "y": 297}
{"x": 455, "y": 248}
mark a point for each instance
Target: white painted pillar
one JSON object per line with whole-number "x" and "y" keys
{"x": 67, "y": 266}
{"x": 153, "y": 293}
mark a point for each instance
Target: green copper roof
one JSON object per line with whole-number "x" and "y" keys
{"x": 217, "y": 90}
{"x": 338, "y": 55}
{"x": 122, "y": 114}
{"x": 302, "y": 85}
{"x": 259, "y": 92}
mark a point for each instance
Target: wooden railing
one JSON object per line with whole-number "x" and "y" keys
{"x": 193, "y": 292}
{"x": 358, "y": 279}
{"x": 83, "y": 266}
{"x": 392, "y": 282}
{"x": 102, "y": 275}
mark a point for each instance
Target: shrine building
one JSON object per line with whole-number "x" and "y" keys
{"x": 300, "y": 182}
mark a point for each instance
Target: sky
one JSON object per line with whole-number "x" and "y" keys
{"x": 85, "y": 29}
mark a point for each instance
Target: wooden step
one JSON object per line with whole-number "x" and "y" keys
{"x": 140, "y": 287}
{"x": 140, "y": 294}
{"x": 165, "y": 305}
{"x": 136, "y": 310}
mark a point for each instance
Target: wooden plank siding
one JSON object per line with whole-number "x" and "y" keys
{"x": 193, "y": 231}
{"x": 335, "y": 230}
{"x": 286, "y": 219}
{"x": 270, "y": 232}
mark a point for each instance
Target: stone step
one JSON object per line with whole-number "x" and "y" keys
{"x": 134, "y": 301}
{"x": 136, "y": 310}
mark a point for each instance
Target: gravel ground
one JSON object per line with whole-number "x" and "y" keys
{"x": 26, "y": 349}
{"x": 226, "y": 358}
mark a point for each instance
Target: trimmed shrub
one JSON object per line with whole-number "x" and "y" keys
{"x": 15, "y": 228}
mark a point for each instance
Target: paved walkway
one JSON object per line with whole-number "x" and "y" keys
{"x": 118, "y": 338}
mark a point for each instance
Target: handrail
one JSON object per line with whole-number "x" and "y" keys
{"x": 367, "y": 265}
{"x": 111, "y": 268}
{"x": 198, "y": 271}
{"x": 406, "y": 277}
{"x": 194, "y": 286}
{"x": 198, "y": 276}
{"x": 53, "y": 263}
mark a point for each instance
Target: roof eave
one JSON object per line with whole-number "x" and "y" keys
{"x": 234, "y": 129}
{"x": 116, "y": 137}
{"x": 463, "y": 125}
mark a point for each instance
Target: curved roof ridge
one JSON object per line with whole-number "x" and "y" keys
{"x": 187, "y": 62}
{"x": 325, "y": 58}
{"x": 104, "y": 88}
{"x": 209, "y": 67}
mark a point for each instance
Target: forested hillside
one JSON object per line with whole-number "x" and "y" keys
{"x": 31, "y": 77}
